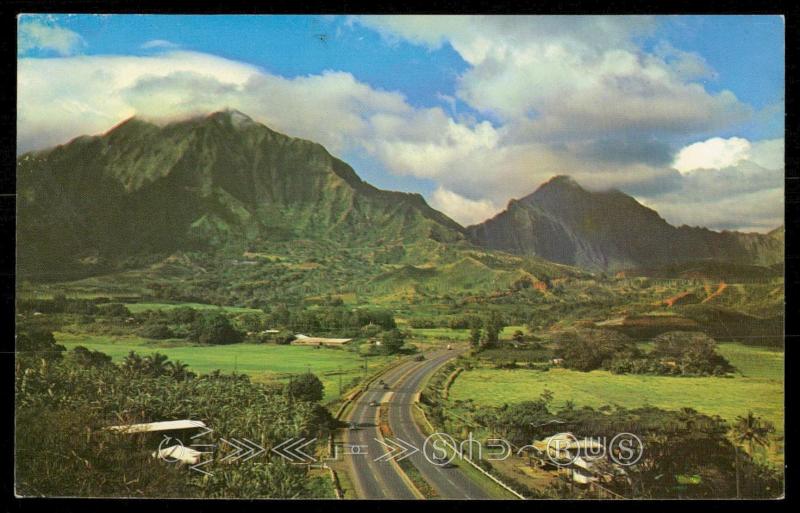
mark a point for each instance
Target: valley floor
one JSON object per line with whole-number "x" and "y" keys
{"x": 758, "y": 387}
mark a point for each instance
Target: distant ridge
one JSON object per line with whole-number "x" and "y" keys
{"x": 563, "y": 222}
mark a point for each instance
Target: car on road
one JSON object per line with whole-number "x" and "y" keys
{"x": 442, "y": 462}
{"x": 373, "y": 403}
{"x": 385, "y": 386}
{"x": 353, "y": 426}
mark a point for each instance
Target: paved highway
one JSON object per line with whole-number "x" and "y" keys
{"x": 382, "y": 479}
{"x": 450, "y": 482}
{"x": 374, "y": 479}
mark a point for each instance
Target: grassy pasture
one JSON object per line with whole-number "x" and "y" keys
{"x": 263, "y": 362}
{"x": 758, "y": 387}
{"x": 141, "y": 307}
{"x": 459, "y": 335}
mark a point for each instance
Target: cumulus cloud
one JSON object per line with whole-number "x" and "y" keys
{"x": 572, "y": 73}
{"x": 715, "y": 153}
{"x": 464, "y": 210}
{"x": 569, "y": 96}
{"x": 35, "y": 35}
{"x": 719, "y": 153}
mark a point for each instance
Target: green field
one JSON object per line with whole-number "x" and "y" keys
{"x": 460, "y": 335}
{"x": 141, "y": 307}
{"x": 759, "y": 387}
{"x": 264, "y": 362}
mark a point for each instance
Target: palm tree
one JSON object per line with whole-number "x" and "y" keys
{"x": 752, "y": 430}
{"x": 178, "y": 370}
{"x": 156, "y": 364}
{"x": 132, "y": 363}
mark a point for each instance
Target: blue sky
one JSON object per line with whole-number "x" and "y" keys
{"x": 470, "y": 112}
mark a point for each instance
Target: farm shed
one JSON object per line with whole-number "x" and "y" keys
{"x": 303, "y": 340}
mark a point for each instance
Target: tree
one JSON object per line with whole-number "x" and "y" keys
{"x": 518, "y": 336}
{"x": 305, "y": 387}
{"x": 493, "y": 326}
{"x": 587, "y": 350}
{"x": 87, "y": 358}
{"x": 475, "y": 337}
{"x": 179, "y": 370}
{"x": 694, "y": 351}
{"x": 215, "y": 328}
{"x": 116, "y": 310}
{"x": 36, "y": 345}
{"x": 157, "y": 331}
{"x": 392, "y": 341}
{"x": 752, "y": 430}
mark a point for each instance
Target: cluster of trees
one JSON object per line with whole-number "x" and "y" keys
{"x": 676, "y": 444}
{"x": 591, "y": 349}
{"x": 202, "y": 327}
{"x": 330, "y": 319}
{"x": 58, "y": 304}
{"x": 677, "y": 353}
{"x": 454, "y": 322}
{"x": 65, "y": 399}
{"x": 486, "y": 333}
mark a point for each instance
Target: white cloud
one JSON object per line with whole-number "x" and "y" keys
{"x": 715, "y": 153}
{"x": 768, "y": 154}
{"x": 572, "y": 74}
{"x": 159, "y": 44}
{"x": 718, "y": 153}
{"x": 757, "y": 211}
{"x": 37, "y": 35}
{"x": 463, "y": 210}
{"x": 592, "y": 92}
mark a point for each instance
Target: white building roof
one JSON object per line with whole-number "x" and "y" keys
{"x": 154, "y": 427}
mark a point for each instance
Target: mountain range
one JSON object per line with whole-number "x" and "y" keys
{"x": 609, "y": 230}
{"x": 224, "y": 181}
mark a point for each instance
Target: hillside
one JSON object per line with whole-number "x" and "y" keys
{"x": 216, "y": 182}
{"x": 609, "y": 230}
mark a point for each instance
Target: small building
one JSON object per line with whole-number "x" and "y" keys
{"x": 557, "y": 361}
{"x": 305, "y": 340}
{"x": 581, "y": 460}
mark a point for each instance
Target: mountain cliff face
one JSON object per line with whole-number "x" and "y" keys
{"x": 204, "y": 183}
{"x": 222, "y": 183}
{"x": 565, "y": 223}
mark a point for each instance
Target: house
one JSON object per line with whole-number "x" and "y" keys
{"x": 305, "y": 340}
{"x": 583, "y": 460}
{"x": 177, "y": 452}
{"x": 156, "y": 427}
{"x": 557, "y": 361}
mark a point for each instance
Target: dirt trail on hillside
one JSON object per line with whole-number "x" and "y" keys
{"x": 720, "y": 289}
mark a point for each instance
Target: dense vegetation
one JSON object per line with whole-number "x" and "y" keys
{"x": 674, "y": 353}
{"x": 65, "y": 402}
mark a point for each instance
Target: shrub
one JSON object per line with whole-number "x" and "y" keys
{"x": 305, "y": 387}
{"x": 157, "y": 331}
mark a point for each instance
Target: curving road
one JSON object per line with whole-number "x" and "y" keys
{"x": 382, "y": 479}
{"x": 374, "y": 479}
{"x": 449, "y": 482}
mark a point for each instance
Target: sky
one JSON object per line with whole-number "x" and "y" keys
{"x": 685, "y": 113}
